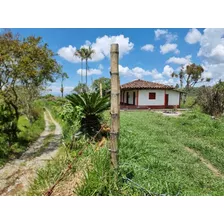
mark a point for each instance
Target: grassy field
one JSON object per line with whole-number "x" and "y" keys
{"x": 154, "y": 159}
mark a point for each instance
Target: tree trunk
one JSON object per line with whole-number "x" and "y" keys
{"x": 115, "y": 105}
{"x": 62, "y": 91}
{"x": 81, "y": 69}
{"x": 86, "y": 70}
{"x": 101, "y": 90}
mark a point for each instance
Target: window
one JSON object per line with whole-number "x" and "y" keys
{"x": 152, "y": 96}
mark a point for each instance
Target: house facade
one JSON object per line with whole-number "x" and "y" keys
{"x": 143, "y": 94}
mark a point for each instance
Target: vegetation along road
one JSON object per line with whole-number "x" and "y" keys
{"x": 16, "y": 176}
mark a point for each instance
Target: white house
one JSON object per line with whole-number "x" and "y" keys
{"x": 143, "y": 94}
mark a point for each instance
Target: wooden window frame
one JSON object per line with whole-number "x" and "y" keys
{"x": 152, "y": 96}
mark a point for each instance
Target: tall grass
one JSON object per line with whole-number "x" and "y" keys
{"x": 153, "y": 159}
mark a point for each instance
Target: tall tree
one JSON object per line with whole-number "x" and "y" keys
{"x": 64, "y": 76}
{"x": 81, "y": 54}
{"x": 24, "y": 63}
{"x": 88, "y": 52}
{"x": 189, "y": 77}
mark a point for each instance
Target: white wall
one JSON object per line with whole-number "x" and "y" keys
{"x": 130, "y": 99}
{"x": 144, "y": 97}
{"x": 174, "y": 97}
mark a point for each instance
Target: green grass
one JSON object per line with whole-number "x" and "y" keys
{"x": 48, "y": 175}
{"x": 153, "y": 159}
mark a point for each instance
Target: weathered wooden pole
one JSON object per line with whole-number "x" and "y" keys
{"x": 115, "y": 104}
{"x": 101, "y": 90}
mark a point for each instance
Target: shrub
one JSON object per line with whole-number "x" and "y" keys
{"x": 211, "y": 100}
{"x": 89, "y": 108}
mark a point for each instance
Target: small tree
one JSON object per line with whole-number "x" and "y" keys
{"x": 189, "y": 78}
{"x": 105, "y": 85}
{"x": 80, "y": 88}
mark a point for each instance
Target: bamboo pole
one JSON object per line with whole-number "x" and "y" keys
{"x": 115, "y": 104}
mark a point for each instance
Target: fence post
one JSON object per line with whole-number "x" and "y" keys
{"x": 115, "y": 104}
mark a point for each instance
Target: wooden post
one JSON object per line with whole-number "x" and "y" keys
{"x": 115, "y": 104}
{"x": 101, "y": 90}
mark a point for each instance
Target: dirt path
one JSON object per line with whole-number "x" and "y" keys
{"x": 16, "y": 176}
{"x": 214, "y": 170}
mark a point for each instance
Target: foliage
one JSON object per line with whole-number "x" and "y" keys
{"x": 81, "y": 87}
{"x": 105, "y": 85}
{"x": 91, "y": 106}
{"x": 26, "y": 64}
{"x": 211, "y": 99}
{"x": 8, "y": 124}
{"x": 11, "y": 146}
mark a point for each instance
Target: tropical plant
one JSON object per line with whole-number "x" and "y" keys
{"x": 91, "y": 106}
{"x": 88, "y": 52}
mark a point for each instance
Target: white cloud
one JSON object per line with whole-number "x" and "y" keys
{"x": 159, "y": 33}
{"x": 170, "y": 82}
{"x": 139, "y": 72}
{"x": 148, "y": 47}
{"x": 89, "y": 72}
{"x": 167, "y": 70}
{"x": 212, "y": 53}
{"x": 164, "y": 49}
{"x": 193, "y": 36}
{"x": 214, "y": 71}
{"x": 169, "y": 37}
{"x": 180, "y": 61}
{"x": 68, "y": 54}
{"x": 212, "y": 46}
{"x": 100, "y": 67}
{"x": 101, "y": 47}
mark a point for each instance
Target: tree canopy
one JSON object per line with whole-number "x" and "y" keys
{"x": 26, "y": 65}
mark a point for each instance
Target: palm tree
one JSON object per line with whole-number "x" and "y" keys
{"x": 80, "y": 53}
{"x": 88, "y": 52}
{"x": 63, "y": 77}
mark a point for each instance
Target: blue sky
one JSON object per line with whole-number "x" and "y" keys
{"x": 150, "y": 54}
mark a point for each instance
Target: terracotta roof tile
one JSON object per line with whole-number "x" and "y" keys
{"x": 141, "y": 84}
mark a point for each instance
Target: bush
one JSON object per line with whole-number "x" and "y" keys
{"x": 89, "y": 108}
{"x": 211, "y": 100}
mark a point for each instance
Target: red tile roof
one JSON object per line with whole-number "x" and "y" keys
{"x": 141, "y": 84}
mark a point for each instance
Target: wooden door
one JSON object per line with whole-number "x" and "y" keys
{"x": 127, "y": 96}
{"x": 166, "y": 100}
{"x": 133, "y": 98}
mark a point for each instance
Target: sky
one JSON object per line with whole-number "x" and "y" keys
{"x": 150, "y": 54}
